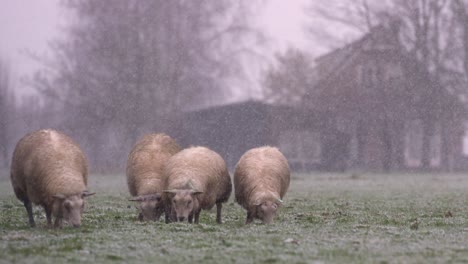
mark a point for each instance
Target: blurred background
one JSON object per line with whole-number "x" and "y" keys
{"x": 337, "y": 85}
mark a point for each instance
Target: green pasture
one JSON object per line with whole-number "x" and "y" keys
{"x": 326, "y": 218}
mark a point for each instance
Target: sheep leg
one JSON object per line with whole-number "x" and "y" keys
{"x": 48, "y": 213}
{"x": 250, "y": 217}
{"x": 219, "y": 206}
{"x": 168, "y": 214}
{"x": 197, "y": 216}
{"x": 159, "y": 212}
{"x": 58, "y": 222}
{"x": 140, "y": 216}
{"x": 28, "y": 206}
{"x": 190, "y": 218}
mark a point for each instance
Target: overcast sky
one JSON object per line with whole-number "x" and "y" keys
{"x": 284, "y": 21}
{"x": 27, "y": 25}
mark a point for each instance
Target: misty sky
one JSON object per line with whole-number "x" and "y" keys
{"x": 26, "y": 25}
{"x": 29, "y": 25}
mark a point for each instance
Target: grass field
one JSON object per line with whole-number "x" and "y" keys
{"x": 338, "y": 218}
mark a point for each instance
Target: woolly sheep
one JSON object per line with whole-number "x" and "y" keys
{"x": 261, "y": 179}
{"x": 197, "y": 178}
{"x": 49, "y": 169}
{"x": 145, "y": 173}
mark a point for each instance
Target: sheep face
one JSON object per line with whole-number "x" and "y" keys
{"x": 184, "y": 203}
{"x": 266, "y": 211}
{"x": 148, "y": 204}
{"x": 70, "y": 208}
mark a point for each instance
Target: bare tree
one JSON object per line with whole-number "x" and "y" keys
{"x": 129, "y": 67}
{"x": 288, "y": 81}
{"x": 426, "y": 34}
{"x": 426, "y": 26}
{"x": 335, "y": 23}
{"x": 7, "y": 105}
{"x": 460, "y": 9}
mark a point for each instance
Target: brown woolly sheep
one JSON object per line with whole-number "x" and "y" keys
{"x": 49, "y": 169}
{"x": 145, "y": 173}
{"x": 261, "y": 179}
{"x": 197, "y": 178}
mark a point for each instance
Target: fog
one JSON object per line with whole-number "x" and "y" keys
{"x": 374, "y": 85}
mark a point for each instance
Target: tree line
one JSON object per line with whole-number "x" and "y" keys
{"x": 432, "y": 33}
{"x": 125, "y": 68}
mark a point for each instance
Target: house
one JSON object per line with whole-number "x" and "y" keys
{"x": 383, "y": 110}
{"x": 233, "y": 129}
{"x": 372, "y": 107}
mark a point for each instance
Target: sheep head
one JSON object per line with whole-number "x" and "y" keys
{"x": 147, "y": 204}
{"x": 183, "y": 202}
{"x": 267, "y": 209}
{"x": 69, "y": 207}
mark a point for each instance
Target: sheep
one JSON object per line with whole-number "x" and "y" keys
{"x": 261, "y": 179}
{"x": 145, "y": 173}
{"x": 49, "y": 169}
{"x": 197, "y": 178}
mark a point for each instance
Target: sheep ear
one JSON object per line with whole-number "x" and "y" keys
{"x": 153, "y": 197}
{"x": 149, "y": 197}
{"x": 86, "y": 194}
{"x": 136, "y": 199}
{"x": 195, "y": 192}
{"x": 171, "y": 193}
{"x": 59, "y": 196}
{"x": 258, "y": 202}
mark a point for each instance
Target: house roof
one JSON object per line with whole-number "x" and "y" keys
{"x": 384, "y": 38}
{"x": 379, "y": 38}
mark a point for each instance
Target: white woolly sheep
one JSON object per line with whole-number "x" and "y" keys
{"x": 49, "y": 169}
{"x": 197, "y": 178}
{"x": 261, "y": 179}
{"x": 145, "y": 173}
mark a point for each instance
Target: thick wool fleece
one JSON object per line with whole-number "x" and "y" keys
{"x": 47, "y": 163}
{"x": 201, "y": 169}
{"x": 262, "y": 174}
{"x": 146, "y": 162}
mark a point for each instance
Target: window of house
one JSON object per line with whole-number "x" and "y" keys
{"x": 369, "y": 74}
{"x": 393, "y": 72}
{"x": 413, "y": 143}
{"x": 436, "y": 146}
{"x": 354, "y": 148}
{"x": 359, "y": 74}
{"x": 379, "y": 74}
{"x": 465, "y": 139}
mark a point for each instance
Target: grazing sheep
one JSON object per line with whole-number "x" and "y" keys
{"x": 197, "y": 178}
{"x": 49, "y": 169}
{"x": 145, "y": 173}
{"x": 261, "y": 179}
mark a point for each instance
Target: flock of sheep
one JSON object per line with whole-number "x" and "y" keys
{"x": 49, "y": 169}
